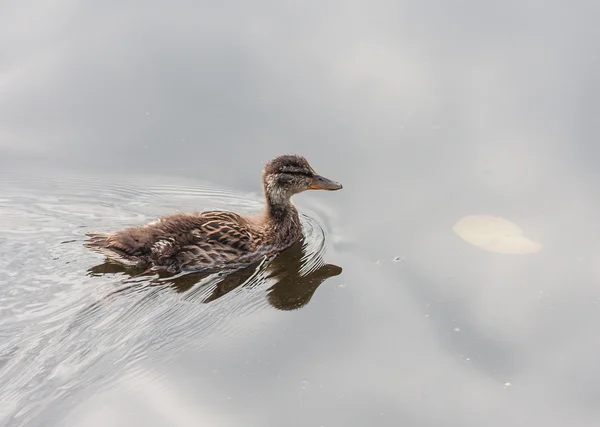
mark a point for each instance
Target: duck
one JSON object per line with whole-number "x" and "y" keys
{"x": 191, "y": 242}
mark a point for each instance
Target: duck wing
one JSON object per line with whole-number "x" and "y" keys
{"x": 183, "y": 242}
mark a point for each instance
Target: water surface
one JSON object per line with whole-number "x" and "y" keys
{"x": 112, "y": 114}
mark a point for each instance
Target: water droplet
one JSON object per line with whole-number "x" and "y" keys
{"x": 456, "y": 329}
{"x": 378, "y": 262}
{"x": 342, "y": 285}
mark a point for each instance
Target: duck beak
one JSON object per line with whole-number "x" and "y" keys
{"x": 322, "y": 183}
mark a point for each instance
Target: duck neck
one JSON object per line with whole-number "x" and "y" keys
{"x": 279, "y": 208}
{"x": 282, "y": 214}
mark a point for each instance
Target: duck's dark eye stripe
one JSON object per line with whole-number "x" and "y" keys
{"x": 299, "y": 173}
{"x": 295, "y": 171}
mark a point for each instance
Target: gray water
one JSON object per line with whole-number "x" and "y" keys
{"x": 112, "y": 114}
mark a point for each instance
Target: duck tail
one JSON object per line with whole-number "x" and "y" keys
{"x": 102, "y": 243}
{"x": 97, "y": 240}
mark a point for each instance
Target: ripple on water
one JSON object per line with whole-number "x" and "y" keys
{"x": 67, "y": 325}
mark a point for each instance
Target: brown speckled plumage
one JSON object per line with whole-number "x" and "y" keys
{"x": 196, "y": 241}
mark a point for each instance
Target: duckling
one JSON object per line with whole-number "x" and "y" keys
{"x": 213, "y": 239}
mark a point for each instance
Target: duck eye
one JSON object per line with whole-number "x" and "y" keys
{"x": 284, "y": 179}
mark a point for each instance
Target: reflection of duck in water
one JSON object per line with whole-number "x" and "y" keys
{"x": 189, "y": 242}
{"x": 290, "y": 291}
